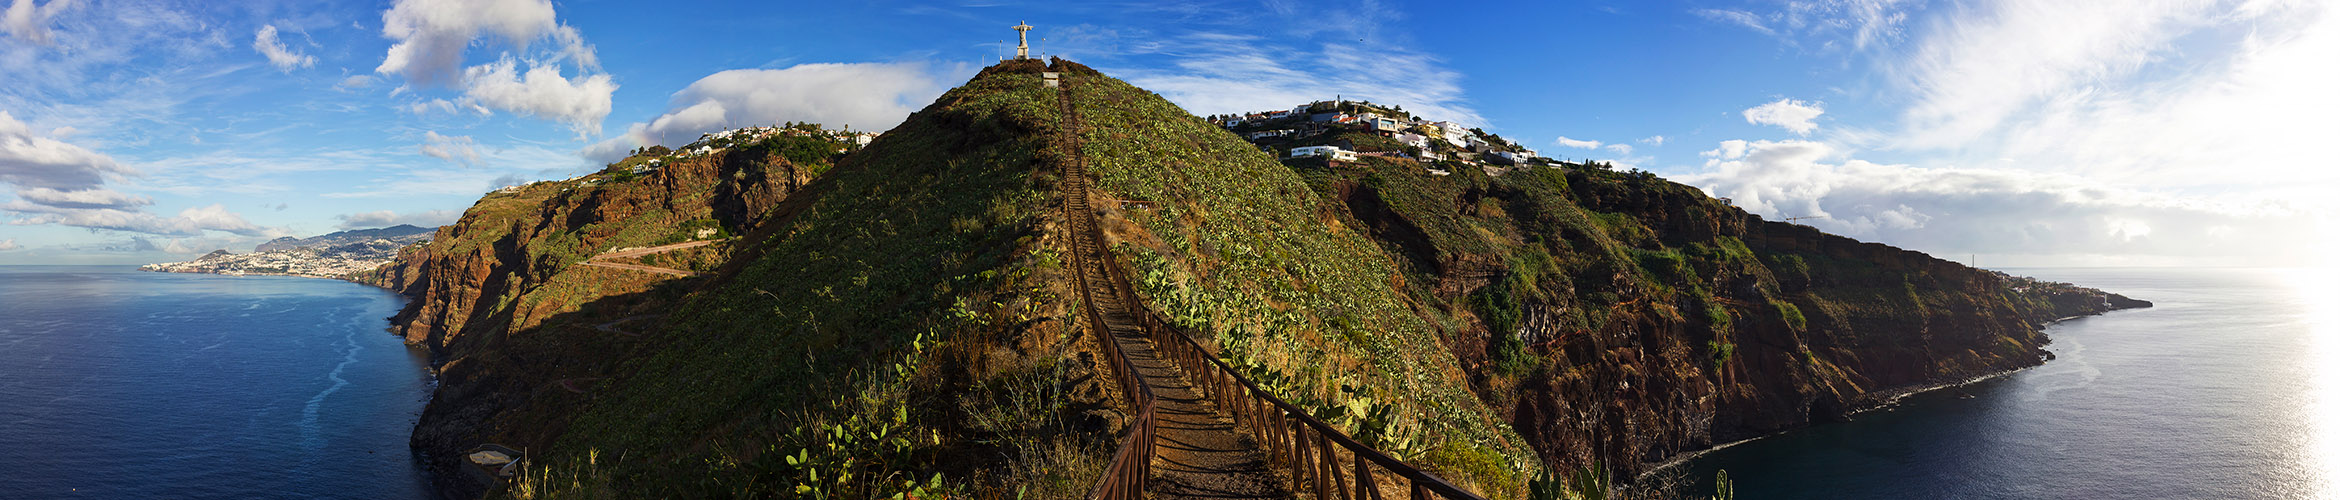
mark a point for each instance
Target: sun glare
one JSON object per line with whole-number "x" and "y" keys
{"x": 2317, "y": 291}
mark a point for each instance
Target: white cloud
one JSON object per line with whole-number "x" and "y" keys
{"x": 1956, "y": 211}
{"x": 2003, "y": 58}
{"x": 431, "y": 35}
{"x": 1739, "y": 17}
{"x": 1231, "y": 73}
{"x": 1793, "y": 115}
{"x": 1655, "y": 140}
{"x": 542, "y": 92}
{"x": 83, "y": 198}
{"x": 34, "y": 161}
{"x": 2127, "y": 92}
{"x": 386, "y": 218}
{"x": 356, "y": 82}
{"x": 9, "y": 245}
{"x": 29, "y": 22}
{"x": 1822, "y": 24}
{"x": 190, "y": 222}
{"x": 457, "y": 149}
{"x": 285, "y": 59}
{"x": 867, "y": 96}
{"x": 1622, "y": 149}
{"x": 1575, "y": 143}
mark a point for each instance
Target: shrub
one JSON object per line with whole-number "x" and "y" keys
{"x": 1789, "y": 312}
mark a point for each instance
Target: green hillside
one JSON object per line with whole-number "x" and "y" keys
{"x": 901, "y": 323}
{"x": 1231, "y": 242}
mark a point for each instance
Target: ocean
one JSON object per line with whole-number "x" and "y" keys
{"x": 2229, "y": 387}
{"x": 116, "y": 383}
{"x": 122, "y": 384}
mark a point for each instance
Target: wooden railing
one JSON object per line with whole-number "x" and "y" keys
{"x": 1126, "y": 476}
{"x": 1312, "y": 451}
{"x": 1309, "y": 449}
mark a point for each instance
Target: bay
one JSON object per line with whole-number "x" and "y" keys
{"x": 2228, "y": 388}
{"x": 116, "y": 383}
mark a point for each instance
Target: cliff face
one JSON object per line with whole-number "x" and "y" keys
{"x": 512, "y": 316}
{"x": 1624, "y": 320}
{"x": 468, "y": 280}
{"x": 897, "y": 316}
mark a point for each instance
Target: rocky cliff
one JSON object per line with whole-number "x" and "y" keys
{"x": 1625, "y": 320}
{"x": 512, "y": 315}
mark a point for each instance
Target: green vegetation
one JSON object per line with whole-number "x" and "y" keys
{"x": 1236, "y": 245}
{"x": 922, "y": 256}
{"x": 1722, "y": 352}
{"x": 1789, "y": 312}
{"x": 901, "y": 326}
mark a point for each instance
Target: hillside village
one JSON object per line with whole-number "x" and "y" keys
{"x": 1345, "y": 131}
{"x": 320, "y": 257}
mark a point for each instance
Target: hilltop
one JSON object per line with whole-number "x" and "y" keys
{"x": 869, "y": 319}
{"x": 398, "y": 233}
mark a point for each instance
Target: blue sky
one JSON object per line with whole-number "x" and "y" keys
{"x": 2023, "y": 132}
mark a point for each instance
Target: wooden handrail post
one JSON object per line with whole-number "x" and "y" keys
{"x": 1300, "y": 457}
{"x": 1332, "y": 468}
{"x": 1325, "y": 487}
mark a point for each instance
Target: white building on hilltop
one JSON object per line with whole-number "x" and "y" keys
{"x": 1335, "y": 152}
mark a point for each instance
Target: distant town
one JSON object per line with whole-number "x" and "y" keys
{"x": 1345, "y": 131}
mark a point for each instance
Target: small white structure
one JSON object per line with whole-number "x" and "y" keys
{"x": 1023, "y": 50}
{"x": 1335, "y": 152}
{"x": 1413, "y": 139}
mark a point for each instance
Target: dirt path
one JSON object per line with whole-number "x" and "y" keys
{"x": 643, "y": 268}
{"x": 638, "y": 252}
{"x": 1198, "y": 452}
{"x": 611, "y": 326}
{"x": 604, "y": 260}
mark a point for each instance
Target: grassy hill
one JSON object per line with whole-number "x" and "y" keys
{"x": 895, "y": 319}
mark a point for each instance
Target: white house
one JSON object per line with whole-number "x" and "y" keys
{"x": 1335, "y": 152}
{"x": 1452, "y": 130}
{"x": 1413, "y": 139}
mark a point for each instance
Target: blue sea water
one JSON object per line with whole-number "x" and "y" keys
{"x": 116, "y": 383}
{"x": 2228, "y": 388}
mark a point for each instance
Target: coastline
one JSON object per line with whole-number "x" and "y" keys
{"x": 1881, "y": 399}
